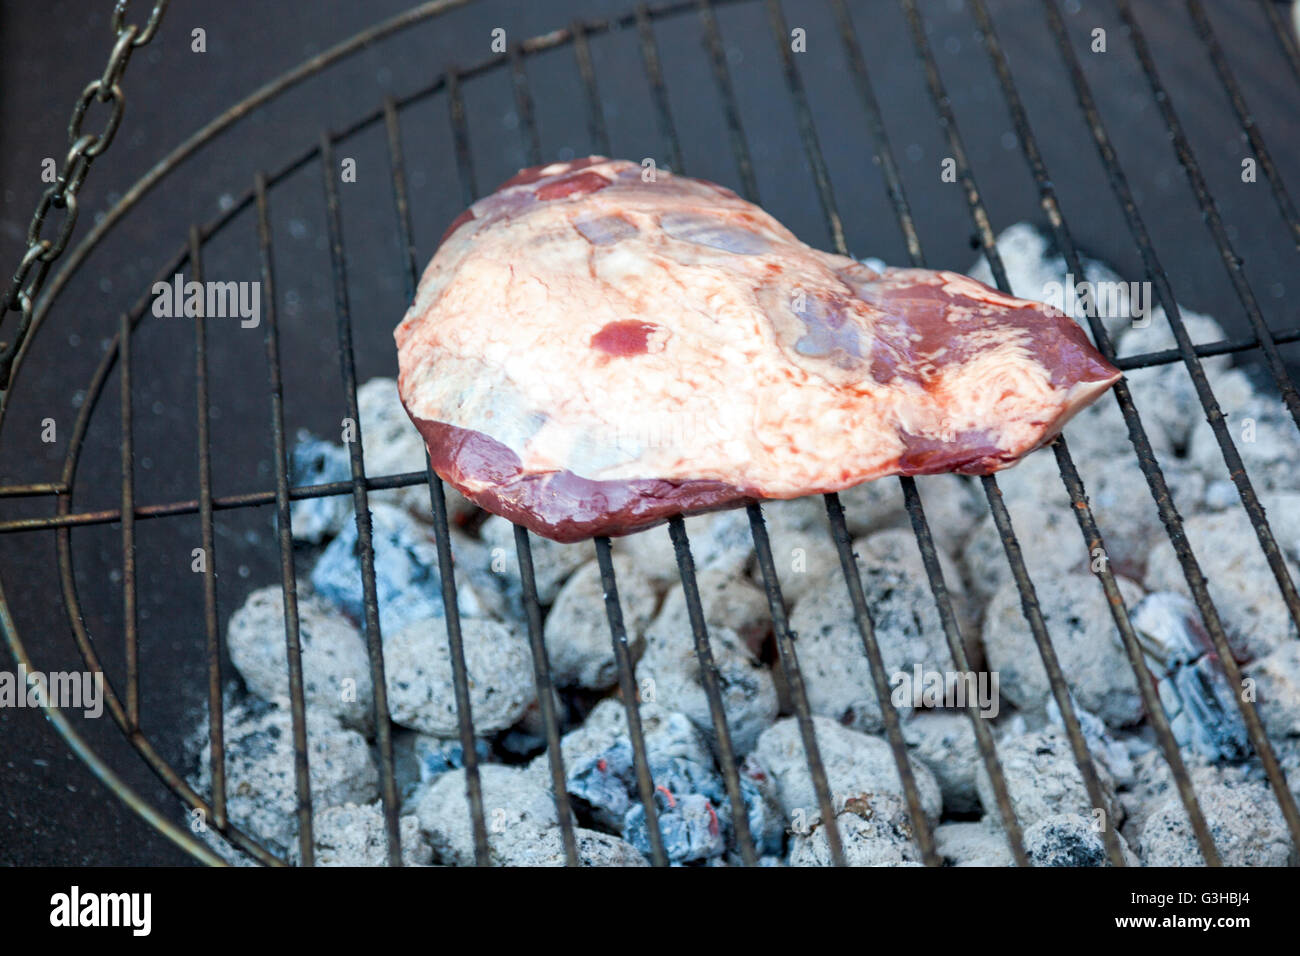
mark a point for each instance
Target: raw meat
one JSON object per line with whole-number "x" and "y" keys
{"x": 591, "y": 352}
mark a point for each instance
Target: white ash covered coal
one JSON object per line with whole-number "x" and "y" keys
{"x": 874, "y": 828}
{"x": 594, "y": 849}
{"x": 691, "y": 800}
{"x": 719, "y": 541}
{"x": 727, "y": 600}
{"x": 260, "y": 782}
{"x": 1243, "y": 818}
{"x": 1263, "y": 430}
{"x": 1041, "y": 512}
{"x": 944, "y": 742}
{"x": 1047, "y": 536}
{"x": 1059, "y": 825}
{"x": 1115, "y": 751}
{"x": 390, "y": 446}
{"x": 1078, "y": 619}
{"x": 1043, "y": 781}
{"x": 831, "y": 654}
{"x": 896, "y": 548}
{"x": 953, "y": 504}
{"x": 418, "y": 672}
{"x": 1070, "y": 839}
{"x": 353, "y": 835}
{"x": 670, "y": 673}
{"x": 523, "y": 828}
{"x": 514, "y": 804}
{"x": 1277, "y": 683}
{"x": 577, "y": 629}
{"x": 804, "y": 558}
{"x": 553, "y": 562}
{"x": 1063, "y": 839}
{"x": 1237, "y": 574}
{"x": 1164, "y": 393}
{"x": 856, "y": 764}
{"x": 335, "y": 665}
{"x": 317, "y": 462}
{"x": 972, "y": 844}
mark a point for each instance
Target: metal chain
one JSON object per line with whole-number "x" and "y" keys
{"x": 41, "y": 252}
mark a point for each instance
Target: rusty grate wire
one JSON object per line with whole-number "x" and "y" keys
{"x": 125, "y": 708}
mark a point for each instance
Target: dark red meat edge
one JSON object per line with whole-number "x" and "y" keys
{"x": 566, "y": 507}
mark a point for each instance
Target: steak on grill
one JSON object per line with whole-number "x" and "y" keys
{"x": 593, "y": 350}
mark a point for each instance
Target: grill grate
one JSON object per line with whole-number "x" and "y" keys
{"x": 125, "y": 710}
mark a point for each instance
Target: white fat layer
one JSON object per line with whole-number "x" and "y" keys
{"x": 499, "y": 337}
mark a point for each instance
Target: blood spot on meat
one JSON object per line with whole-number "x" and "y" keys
{"x": 579, "y": 184}
{"x": 624, "y": 338}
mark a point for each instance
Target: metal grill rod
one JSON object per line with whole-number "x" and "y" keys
{"x": 1285, "y": 39}
{"x": 1245, "y": 117}
{"x": 1069, "y": 473}
{"x": 216, "y": 708}
{"x": 71, "y": 519}
{"x": 839, "y": 529}
{"x": 712, "y": 684}
{"x": 284, "y": 533}
{"x": 85, "y": 647}
{"x": 794, "y": 681}
{"x": 1001, "y": 516}
{"x": 613, "y": 611}
{"x": 1222, "y": 347}
{"x": 34, "y": 490}
{"x": 1195, "y": 579}
{"x": 880, "y": 682}
{"x": 762, "y": 547}
{"x": 658, "y": 90}
{"x": 920, "y": 526}
{"x": 1210, "y": 213}
{"x": 627, "y": 689}
{"x": 546, "y": 697}
{"x": 709, "y": 677}
{"x": 130, "y": 614}
{"x": 596, "y": 131}
{"x": 365, "y": 541}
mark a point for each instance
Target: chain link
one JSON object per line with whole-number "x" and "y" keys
{"x": 25, "y": 286}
